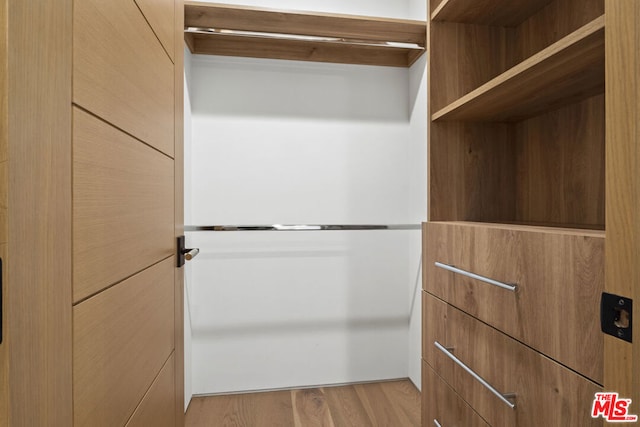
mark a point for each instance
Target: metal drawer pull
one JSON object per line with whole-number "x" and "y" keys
{"x": 502, "y": 396}
{"x": 436, "y": 423}
{"x": 457, "y": 270}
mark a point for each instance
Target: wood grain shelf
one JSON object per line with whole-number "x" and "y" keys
{"x": 568, "y": 71}
{"x": 506, "y": 13}
{"x": 557, "y": 229}
{"x": 320, "y": 37}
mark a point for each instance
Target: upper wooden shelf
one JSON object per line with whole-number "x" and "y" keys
{"x": 566, "y": 72}
{"x": 321, "y": 37}
{"x": 508, "y": 13}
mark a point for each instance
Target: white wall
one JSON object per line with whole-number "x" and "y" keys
{"x": 295, "y": 142}
{"x": 418, "y": 193}
{"x": 417, "y": 209}
{"x": 188, "y": 220}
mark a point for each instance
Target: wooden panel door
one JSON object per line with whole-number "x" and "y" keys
{"x": 91, "y": 190}
{"x": 622, "y": 247}
{"x": 127, "y": 307}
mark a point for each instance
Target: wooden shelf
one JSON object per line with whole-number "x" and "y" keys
{"x": 506, "y": 13}
{"x": 559, "y": 229}
{"x": 566, "y": 72}
{"x": 305, "y": 36}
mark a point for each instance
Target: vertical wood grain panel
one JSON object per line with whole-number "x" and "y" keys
{"x": 4, "y": 201}
{"x": 472, "y": 172}
{"x": 121, "y": 339}
{"x": 458, "y": 61}
{"x": 622, "y": 251}
{"x": 560, "y": 166}
{"x": 160, "y": 16}
{"x": 4, "y": 81}
{"x": 121, "y": 73}
{"x": 556, "y": 20}
{"x": 39, "y": 277}
{"x": 178, "y": 165}
{"x": 157, "y": 406}
{"x": 123, "y": 205}
{"x": 4, "y": 354}
{"x": 4, "y": 187}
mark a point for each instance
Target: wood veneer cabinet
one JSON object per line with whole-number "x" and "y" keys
{"x": 517, "y": 114}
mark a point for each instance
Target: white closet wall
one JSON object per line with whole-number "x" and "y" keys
{"x": 417, "y": 193}
{"x": 296, "y": 142}
{"x": 188, "y": 220}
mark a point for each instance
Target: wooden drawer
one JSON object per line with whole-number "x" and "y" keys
{"x": 443, "y": 405}
{"x": 546, "y": 393}
{"x": 559, "y": 275}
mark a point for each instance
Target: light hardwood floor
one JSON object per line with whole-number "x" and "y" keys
{"x": 393, "y": 404}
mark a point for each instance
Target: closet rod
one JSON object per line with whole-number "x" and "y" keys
{"x": 301, "y": 227}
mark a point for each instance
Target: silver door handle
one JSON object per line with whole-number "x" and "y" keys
{"x": 183, "y": 253}
{"x": 503, "y": 285}
{"x": 190, "y": 254}
{"x": 502, "y": 396}
{"x": 436, "y": 423}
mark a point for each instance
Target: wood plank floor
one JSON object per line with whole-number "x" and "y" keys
{"x": 393, "y": 404}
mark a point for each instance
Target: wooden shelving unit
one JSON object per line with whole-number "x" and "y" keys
{"x": 566, "y": 72}
{"x": 217, "y": 29}
{"x": 516, "y": 229}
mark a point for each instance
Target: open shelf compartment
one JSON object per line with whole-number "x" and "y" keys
{"x": 565, "y": 72}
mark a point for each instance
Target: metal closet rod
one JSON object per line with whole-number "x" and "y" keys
{"x": 303, "y": 227}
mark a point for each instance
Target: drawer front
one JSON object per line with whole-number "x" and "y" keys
{"x": 441, "y": 406}
{"x": 546, "y": 393}
{"x": 559, "y": 277}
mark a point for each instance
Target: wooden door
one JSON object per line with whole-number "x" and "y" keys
{"x": 622, "y": 247}
{"x": 93, "y": 296}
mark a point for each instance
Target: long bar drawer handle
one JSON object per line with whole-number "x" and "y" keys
{"x": 502, "y": 396}
{"x": 457, "y": 270}
{"x": 436, "y": 423}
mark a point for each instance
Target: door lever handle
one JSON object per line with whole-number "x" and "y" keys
{"x": 185, "y": 253}
{"x": 190, "y": 254}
